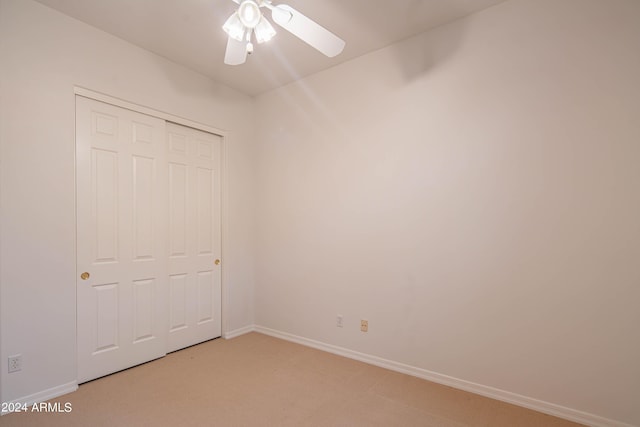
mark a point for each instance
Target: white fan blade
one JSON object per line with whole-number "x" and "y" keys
{"x": 307, "y": 30}
{"x": 236, "y": 53}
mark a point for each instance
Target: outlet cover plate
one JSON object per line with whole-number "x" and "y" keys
{"x": 15, "y": 363}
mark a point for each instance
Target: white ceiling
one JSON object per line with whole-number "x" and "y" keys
{"x": 190, "y": 32}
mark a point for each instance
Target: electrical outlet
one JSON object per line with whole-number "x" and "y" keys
{"x": 364, "y": 325}
{"x": 15, "y": 363}
{"x": 339, "y": 321}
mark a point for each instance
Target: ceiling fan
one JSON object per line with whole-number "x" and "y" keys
{"x": 248, "y": 20}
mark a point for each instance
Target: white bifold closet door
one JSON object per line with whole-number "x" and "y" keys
{"x": 148, "y": 236}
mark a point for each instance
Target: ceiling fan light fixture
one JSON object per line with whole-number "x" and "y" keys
{"x": 249, "y": 20}
{"x": 249, "y": 13}
{"x": 234, "y": 27}
{"x": 264, "y": 31}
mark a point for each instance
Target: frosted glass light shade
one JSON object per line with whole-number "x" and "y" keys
{"x": 249, "y": 13}
{"x": 234, "y": 27}
{"x": 264, "y": 31}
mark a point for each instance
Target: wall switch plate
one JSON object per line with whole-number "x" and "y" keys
{"x": 15, "y": 363}
{"x": 364, "y": 325}
{"x": 339, "y": 321}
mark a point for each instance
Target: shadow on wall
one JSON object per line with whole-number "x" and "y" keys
{"x": 420, "y": 55}
{"x": 417, "y": 55}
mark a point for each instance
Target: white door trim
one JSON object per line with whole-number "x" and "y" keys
{"x": 88, "y": 93}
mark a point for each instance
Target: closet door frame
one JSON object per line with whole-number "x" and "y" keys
{"x": 224, "y": 223}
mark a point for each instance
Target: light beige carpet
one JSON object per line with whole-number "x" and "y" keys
{"x": 256, "y": 380}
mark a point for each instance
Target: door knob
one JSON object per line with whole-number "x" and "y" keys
{"x": 85, "y": 276}
{"x": 217, "y": 262}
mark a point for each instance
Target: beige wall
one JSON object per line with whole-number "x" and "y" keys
{"x": 43, "y": 55}
{"x": 474, "y": 192}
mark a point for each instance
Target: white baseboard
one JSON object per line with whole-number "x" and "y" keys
{"x": 44, "y": 395}
{"x": 237, "y": 332}
{"x": 483, "y": 390}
